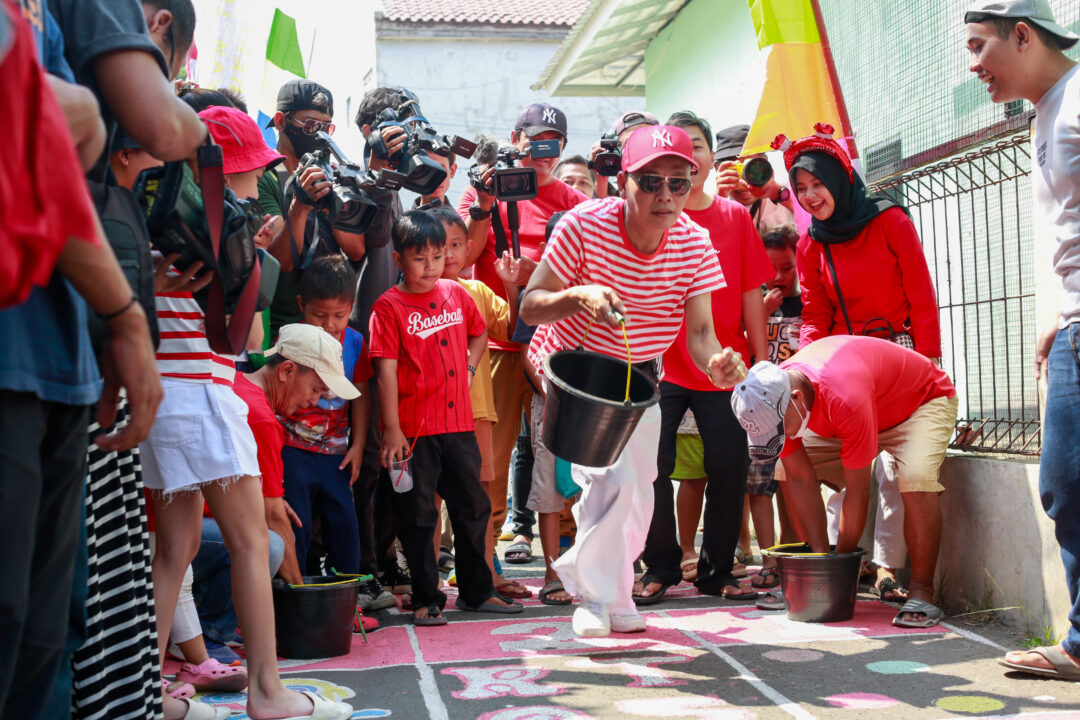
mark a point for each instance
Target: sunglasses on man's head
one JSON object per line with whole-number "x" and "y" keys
{"x": 310, "y": 127}
{"x": 652, "y": 183}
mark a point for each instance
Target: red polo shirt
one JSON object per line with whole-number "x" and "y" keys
{"x": 428, "y": 334}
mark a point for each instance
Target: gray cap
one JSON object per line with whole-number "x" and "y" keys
{"x": 729, "y": 142}
{"x": 760, "y": 403}
{"x": 1036, "y": 12}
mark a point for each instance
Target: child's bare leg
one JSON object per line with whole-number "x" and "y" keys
{"x": 241, "y": 517}
{"x": 178, "y": 529}
{"x": 688, "y": 503}
{"x": 787, "y": 529}
{"x": 744, "y": 531}
{"x": 549, "y": 545}
{"x": 761, "y": 510}
{"x": 194, "y": 650}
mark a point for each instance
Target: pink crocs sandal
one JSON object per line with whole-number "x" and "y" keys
{"x": 179, "y": 690}
{"x": 212, "y": 675}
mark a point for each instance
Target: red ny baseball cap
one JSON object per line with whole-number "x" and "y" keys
{"x": 241, "y": 141}
{"x": 650, "y": 142}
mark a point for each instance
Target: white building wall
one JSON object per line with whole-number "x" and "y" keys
{"x": 475, "y": 84}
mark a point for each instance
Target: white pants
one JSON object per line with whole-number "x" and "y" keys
{"x": 890, "y": 548}
{"x": 613, "y": 517}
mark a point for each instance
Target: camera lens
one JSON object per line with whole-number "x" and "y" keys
{"x": 757, "y": 171}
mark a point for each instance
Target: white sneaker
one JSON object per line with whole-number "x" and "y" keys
{"x": 592, "y": 620}
{"x": 630, "y": 622}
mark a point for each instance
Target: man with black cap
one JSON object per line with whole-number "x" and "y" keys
{"x": 304, "y": 108}
{"x": 771, "y": 204}
{"x": 1016, "y": 50}
{"x": 513, "y": 394}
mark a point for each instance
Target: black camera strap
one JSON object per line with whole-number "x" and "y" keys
{"x": 225, "y": 335}
{"x": 501, "y": 243}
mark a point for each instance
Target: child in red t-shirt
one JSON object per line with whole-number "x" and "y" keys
{"x": 427, "y": 338}
{"x": 324, "y": 444}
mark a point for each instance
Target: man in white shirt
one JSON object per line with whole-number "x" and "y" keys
{"x": 1016, "y": 50}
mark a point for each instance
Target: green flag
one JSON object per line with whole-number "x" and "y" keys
{"x": 283, "y": 46}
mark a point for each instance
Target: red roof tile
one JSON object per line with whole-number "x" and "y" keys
{"x": 488, "y": 12}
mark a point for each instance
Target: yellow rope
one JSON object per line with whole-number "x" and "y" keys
{"x": 629, "y": 359}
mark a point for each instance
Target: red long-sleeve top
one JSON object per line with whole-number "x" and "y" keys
{"x": 882, "y": 274}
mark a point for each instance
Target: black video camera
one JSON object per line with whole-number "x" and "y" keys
{"x": 347, "y": 205}
{"x": 414, "y": 170}
{"x": 176, "y": 221}
{"x": 608, "y": 162}
{"x": 510, "y": 183}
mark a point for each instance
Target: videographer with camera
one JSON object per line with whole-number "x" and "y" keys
{"x": 537, "y": 123}
{"x": 304, "y": 108}
{"x": 750, "y": 181}
{"x": 605, "y": 158}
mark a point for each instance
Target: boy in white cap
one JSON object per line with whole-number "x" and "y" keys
{"x": 827, "y": 413}
{"x": 1016, "y": 50}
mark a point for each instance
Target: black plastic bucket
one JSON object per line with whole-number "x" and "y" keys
{"x": 817, "y": 588}
{"x": 586, "y": 417}
{"x": 315, "y": 620}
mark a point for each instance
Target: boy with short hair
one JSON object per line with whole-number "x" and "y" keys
{"x": 1016, "y": 49}
{"x": 325, "y": 443}
{"x": 427, "y": 338}
{"x": 500, "y": 315}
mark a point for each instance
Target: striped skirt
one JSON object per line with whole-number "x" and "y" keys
{"x": 116, "y": 672}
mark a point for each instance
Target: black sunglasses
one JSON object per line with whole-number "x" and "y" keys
{"x": 652, "y": 183}
{"x": 310, "y": 127}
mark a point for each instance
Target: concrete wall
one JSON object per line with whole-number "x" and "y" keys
{"x": 481, "y": 83}
{"x": 997, "y": 547}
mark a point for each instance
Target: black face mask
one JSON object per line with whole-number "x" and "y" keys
{"x": 302, "y": 142}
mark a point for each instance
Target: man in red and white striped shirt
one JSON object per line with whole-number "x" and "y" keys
{"x": 642, "y": 258}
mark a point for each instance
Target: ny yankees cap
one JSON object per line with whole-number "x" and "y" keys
{"x": 1033, "y": 11}
{"x": 540, "y": 117}
{"x": 650, "y": 142}
{"x": 313, "y": 347}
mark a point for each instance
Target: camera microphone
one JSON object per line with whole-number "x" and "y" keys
{"x": 487, "y": 149}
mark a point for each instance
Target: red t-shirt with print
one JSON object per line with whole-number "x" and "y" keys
{"x": 428, "y": 334}
{"x": 534, "y": 214}
{"x": 746, "y": 266}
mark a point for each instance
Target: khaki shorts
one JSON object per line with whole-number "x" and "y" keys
{"x": 918, "y": 444}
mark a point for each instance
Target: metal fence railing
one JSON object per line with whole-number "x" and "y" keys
{"x": 973, "y": 213}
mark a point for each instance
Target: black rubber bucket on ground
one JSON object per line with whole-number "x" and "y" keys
{"x": 587, "y": 419}
{"x": 315, "y": 620}
{"x": 817, "y": 588}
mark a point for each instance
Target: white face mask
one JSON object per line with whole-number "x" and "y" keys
{"x": 805, "y": 422}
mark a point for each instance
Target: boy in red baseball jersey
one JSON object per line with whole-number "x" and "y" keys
{"x": 427, "y": 337}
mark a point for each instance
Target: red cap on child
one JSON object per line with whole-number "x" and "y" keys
{"x": 240, "y": 139}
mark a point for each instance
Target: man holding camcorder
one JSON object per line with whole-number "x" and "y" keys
{"x": 304, "y": 108}
{"x": 538, "y": 122}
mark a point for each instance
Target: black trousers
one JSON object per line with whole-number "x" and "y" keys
{"x": 450, "y": 466}
{"x": 726, "y": 463}
{"x": 523, "y": 519}
{"x": 42, "y": 471}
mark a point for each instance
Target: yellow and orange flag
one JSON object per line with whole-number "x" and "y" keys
{"x": 798, "y": 88}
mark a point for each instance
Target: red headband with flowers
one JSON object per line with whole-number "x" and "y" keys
{"x": 821, "y": 140}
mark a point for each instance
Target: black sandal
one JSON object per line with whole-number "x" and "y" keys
{"x": 657, "y": 596}
{"x": 889, "y": 585}
{"x": 434, "y": 617}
